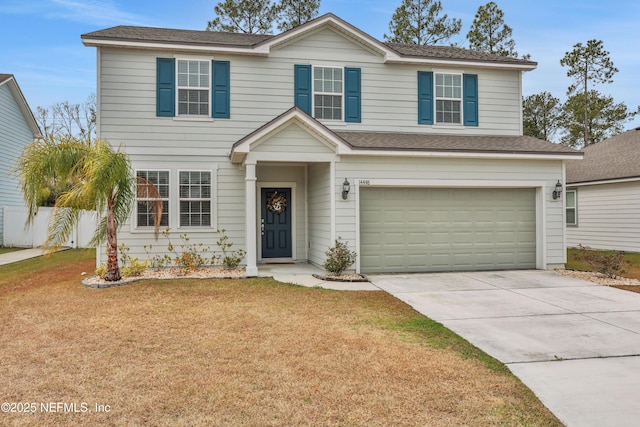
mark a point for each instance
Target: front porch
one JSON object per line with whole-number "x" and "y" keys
{"x": 292, "y": 157}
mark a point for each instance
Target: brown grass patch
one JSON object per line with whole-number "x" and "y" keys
{"x": 236, "y": 352}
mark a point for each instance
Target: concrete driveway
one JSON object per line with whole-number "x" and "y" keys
{"x": 576, "y": 344}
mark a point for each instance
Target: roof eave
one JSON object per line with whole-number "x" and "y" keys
{"x": 460, "y": 62}
{"x": 463, "y": 154}
{"x": 603, "y": 181}
{"x": 155, "y": 45}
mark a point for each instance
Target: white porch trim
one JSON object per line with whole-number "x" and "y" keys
{"x": 250, "y": 215}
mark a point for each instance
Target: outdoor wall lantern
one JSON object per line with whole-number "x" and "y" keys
{"x": 346, "y": 187}
{"x": 557, "y": 193}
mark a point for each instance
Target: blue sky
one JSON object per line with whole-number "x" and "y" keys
{"x": 41, "y": 38}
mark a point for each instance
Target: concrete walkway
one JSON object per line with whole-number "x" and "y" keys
{"x": 576, "y": 344}
{"x": 21, "y": 255}
{"x": 302, "y": 274}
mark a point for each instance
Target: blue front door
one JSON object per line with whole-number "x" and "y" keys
{"x": 276, "y": 223}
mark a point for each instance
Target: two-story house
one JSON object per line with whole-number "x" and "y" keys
{"x": 412, "y": 154}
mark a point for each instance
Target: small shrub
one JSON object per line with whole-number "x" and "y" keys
{"x": 130, "y": 266}
{"x": 191, "y": 257}
{"x": 339, "y": 258}
{"x": 101, "y": 271}
{"x": 609, "y": 263}
{"x": 229, "y": 259}
{"x": 134, "y": 268}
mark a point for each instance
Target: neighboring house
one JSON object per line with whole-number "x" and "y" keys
{"x": 18, "y": 128}
{"x": 260, "y": 134}
{"x": 603, "y": 195}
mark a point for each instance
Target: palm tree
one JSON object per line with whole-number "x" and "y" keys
{"x": 99, "y": 179}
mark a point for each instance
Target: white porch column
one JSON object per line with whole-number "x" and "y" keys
{"x": 250, "y": 215}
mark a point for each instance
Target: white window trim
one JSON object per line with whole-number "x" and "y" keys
{"x": 575, "y": 207}
{"x": 178, "y": 87}
{"x": 313, "y": 93}
{"x": 436, "y": 98}
{"x": 213, "y": 199}
{"x": 134, "y": 214}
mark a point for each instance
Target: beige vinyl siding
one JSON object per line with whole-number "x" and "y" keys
{"x": 227, "y": 207}
{"x": 608, "y": 217}
{"x": 292, "y": 139}
{"x": 452, "y": 172}
{"x": 14, "y": 135}
{"x": 319, "y": 217}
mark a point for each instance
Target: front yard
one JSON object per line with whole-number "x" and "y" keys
{"x": 236, "y": 352}
{"x": 6, "y": 250}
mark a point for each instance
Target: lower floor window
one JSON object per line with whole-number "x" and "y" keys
{"x": 195, "y": 199}
{"x": 152, "y": 198}
{"x": 571, "y": 205}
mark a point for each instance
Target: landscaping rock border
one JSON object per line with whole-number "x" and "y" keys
{"x": 342, "y": 278}
{"x": 168, "y": 274}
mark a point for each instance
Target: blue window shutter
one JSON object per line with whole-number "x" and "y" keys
{"x": 165, "y": 87}
{"x": 302, "y": 87}
{"x": 220, "y": 93}
{"x": 352, "y": 94}
{"x": 425, "y": 97}
{"x": 470, "y": 97}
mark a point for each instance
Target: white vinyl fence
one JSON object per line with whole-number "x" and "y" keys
{"x": 16, "y": 233}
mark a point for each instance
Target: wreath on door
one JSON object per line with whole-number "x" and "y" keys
{"x": 276, "y": 203}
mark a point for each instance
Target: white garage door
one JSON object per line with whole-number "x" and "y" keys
{"x": 436, "y": 229}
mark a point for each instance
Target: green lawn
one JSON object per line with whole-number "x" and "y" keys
{"x": 246, "y": 352}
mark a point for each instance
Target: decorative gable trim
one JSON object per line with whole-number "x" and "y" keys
{"x": 294, "y": 115}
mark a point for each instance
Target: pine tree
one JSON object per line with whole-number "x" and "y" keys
{"x": 294, "y": 13}
{"x": 588, "y": 65}
{"x": 541, "y": 115}
{"x": 420, "y": 22}
{"x": 489, "y": 33}
{"x": 244, "y": 16}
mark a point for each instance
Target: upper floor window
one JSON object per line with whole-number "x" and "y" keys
{"x": 571, "y": 205}
{"x": 448, "y": 98}
{"x": 327, "y": 93}
{"x": 193, "y": 88}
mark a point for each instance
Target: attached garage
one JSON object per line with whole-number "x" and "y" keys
{"x": 446, "y": 229}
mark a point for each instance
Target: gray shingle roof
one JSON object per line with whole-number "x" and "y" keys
{"x": 452, "y": 143}
{"x": 615, "y": 158}
{"x": 220, "y": 39}
{"x": 450, "y": 52}
{"x": 167, "y": 35}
